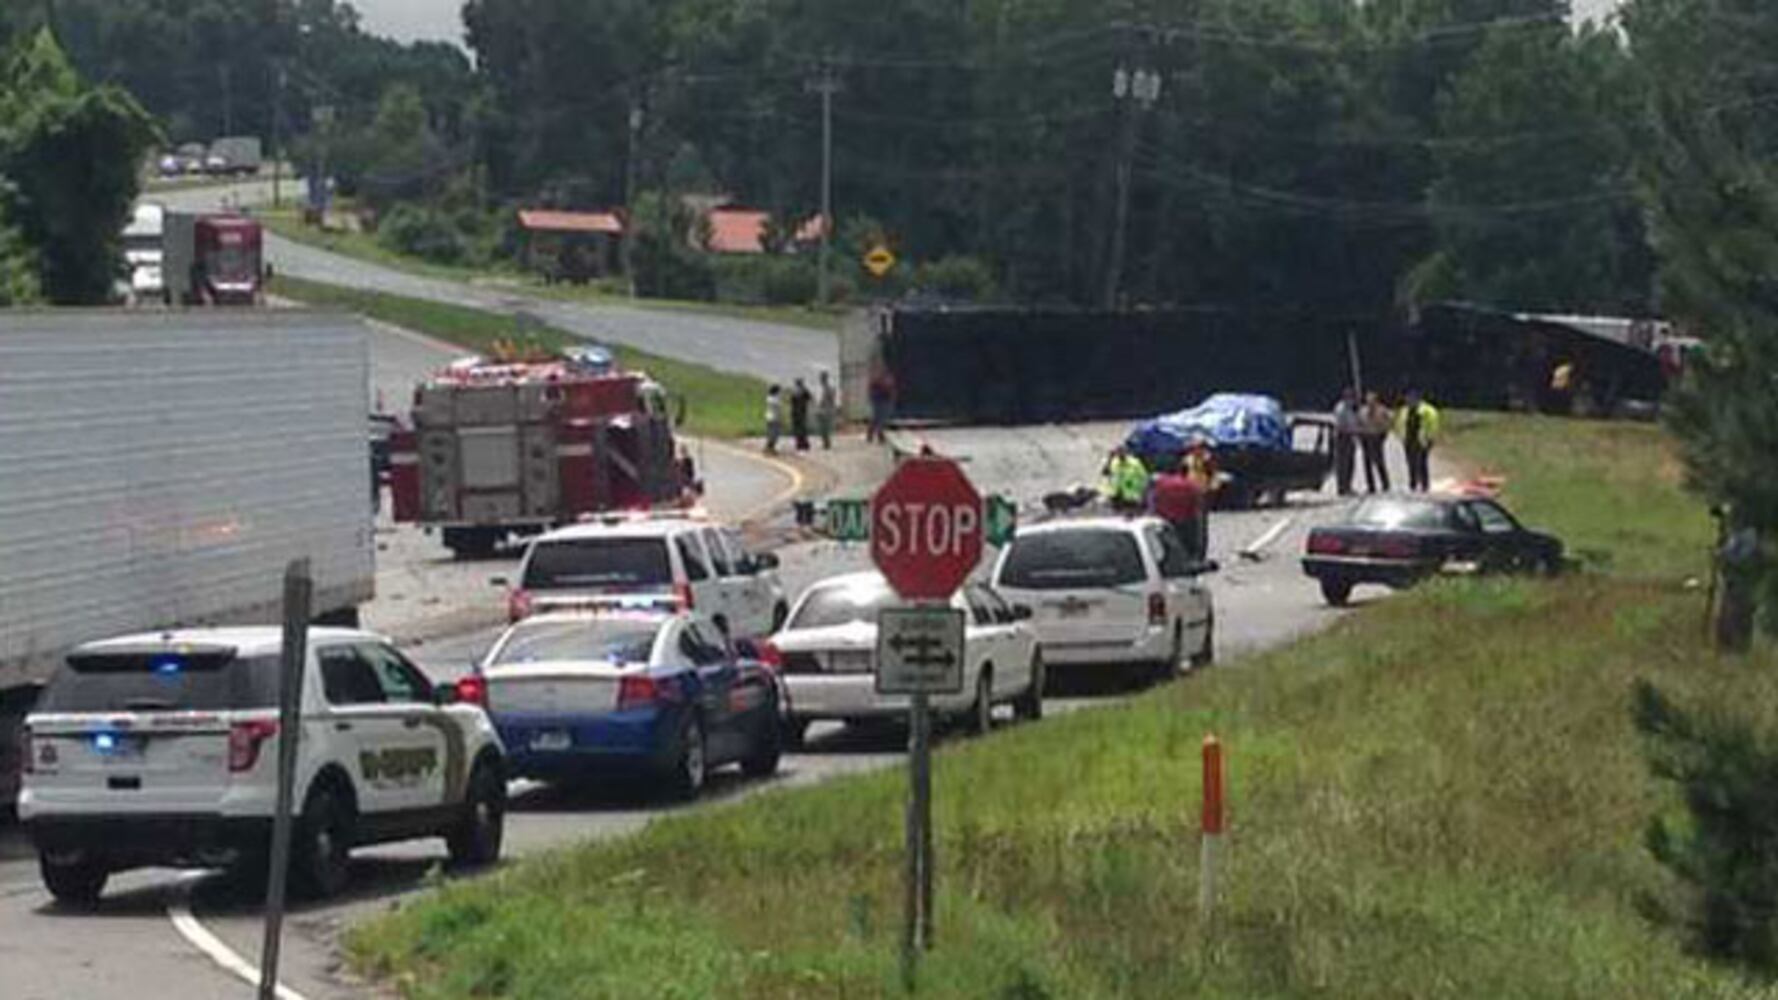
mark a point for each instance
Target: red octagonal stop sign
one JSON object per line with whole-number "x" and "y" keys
{"x": 926, "y": 529}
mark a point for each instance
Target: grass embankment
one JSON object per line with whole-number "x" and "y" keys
{"x": 364, "y": 246}
{"x": 1442, "y": 796}
{"x": 718, "y": 404}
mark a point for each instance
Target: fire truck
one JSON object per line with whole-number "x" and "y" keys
{"x": 500, "y": 448}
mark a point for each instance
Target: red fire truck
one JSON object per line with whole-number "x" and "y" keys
{"x": 496, "y": 448}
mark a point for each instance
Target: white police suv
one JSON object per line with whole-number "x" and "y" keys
{"x": 162, "y": 749}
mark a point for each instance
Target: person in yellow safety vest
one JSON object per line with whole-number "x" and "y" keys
{"x": 1126, "y": 482}
{"x": 1417, "y": 426}
{"x": 1200, "y": 464}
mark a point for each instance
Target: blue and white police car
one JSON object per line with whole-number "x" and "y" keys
{"x": 630, "y": 691}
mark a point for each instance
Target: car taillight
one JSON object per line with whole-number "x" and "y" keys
{"x": 472, "y": 689}
{"x": 1326, "y": 545}
{"x": 636, "y": 691}
{"x": 768, "y": 654}
{"x": 1157, "y": 609}
{"x": 682, "y": 593}
{"x": 244, "y": 741}
{"x": 518, "y": 605}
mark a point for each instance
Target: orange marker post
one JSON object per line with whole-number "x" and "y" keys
{"x": 1214, "y": 824}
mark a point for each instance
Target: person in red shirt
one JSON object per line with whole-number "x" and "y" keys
{"x": 1178, "y": 499}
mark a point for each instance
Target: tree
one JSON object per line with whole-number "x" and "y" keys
{"x": 1710, "y": 185}
{"x": 73, "y": 153}
{"x": 1532, "y": 203}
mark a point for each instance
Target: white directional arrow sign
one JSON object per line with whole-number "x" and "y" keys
{"x": 920, "y": 650}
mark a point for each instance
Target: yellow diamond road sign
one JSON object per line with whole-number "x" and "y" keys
{"x": 879, "y": 261}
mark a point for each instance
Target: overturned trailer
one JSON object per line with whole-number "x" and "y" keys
{"x": 1023, "y": 366}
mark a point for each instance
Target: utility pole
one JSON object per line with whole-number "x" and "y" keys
{"x": 826, "y": 85}
{"x": 1141, "y": 88}
{"x": 629, "y": 217}
{"x": 280, "y": 79}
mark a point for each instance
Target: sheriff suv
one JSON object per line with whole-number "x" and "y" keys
{"x": 162, "y": 749}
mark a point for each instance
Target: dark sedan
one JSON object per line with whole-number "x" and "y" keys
{"x": 1399, "y": 540}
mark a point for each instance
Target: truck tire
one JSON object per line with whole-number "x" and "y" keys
{"x": 76, "y": 883}
{"x": 472, "y": 543}
{"x": 339, "y": 618}
{"x": 475, "y": 840}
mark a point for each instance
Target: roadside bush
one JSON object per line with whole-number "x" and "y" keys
{"x": 1726, "y": 852}
{"x": 968, "y": 279}
{"x": 423, "y": 232}
{"x": 765, "y": 279}
{"x": 668, "y": 265}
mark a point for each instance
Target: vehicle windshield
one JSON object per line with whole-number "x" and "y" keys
{"x": 844, "y": 603}
{"x": 1393, "y": 513}
{"x": 611, "y": 640}
{"x": 229, "y": 264}
{"x": 140, "y": 681}
{"x": 1076, "y": 558}
{"x": 599, "y": 563}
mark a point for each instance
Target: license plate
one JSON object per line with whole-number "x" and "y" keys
{"x": 118, "y": 747}
{"x": 551, "y": 739}
{"x": 1072, "y": 610}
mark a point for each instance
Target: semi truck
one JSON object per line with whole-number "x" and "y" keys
{"x": 495, "y": 449}
{"x": 212, "y": 259}
{"x": 235, "y": 155}
{"x": 162, "y": 468}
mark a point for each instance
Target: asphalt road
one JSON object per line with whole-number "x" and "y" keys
{"x": 131, "y": 945}
{"x": 769, "y": 351}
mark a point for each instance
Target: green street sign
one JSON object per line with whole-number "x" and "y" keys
{"x": 848, "y": 520}
{"x": 1003, "y": 520}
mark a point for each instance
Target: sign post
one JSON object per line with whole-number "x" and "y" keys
{"x": 298, "y": 587}
{"x": 926, "y": 527}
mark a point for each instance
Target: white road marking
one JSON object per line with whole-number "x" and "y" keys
{"x": 199, "y": 937}
{"x": 1271, "y": 535}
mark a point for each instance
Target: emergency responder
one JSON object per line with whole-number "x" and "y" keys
{"x": 882, "y": 402}
{"x": 1347, "y": 430}
{"x": 1200, "y": 465}
{"x": 827, "y": 410}
{"x": 1126, "y": 481}
{"x": 1417, "y": 426}
{"x": 774, "y": 417}
{"x": 1375, "y": 418}
{"x": 1178, "y": 499}
{"x": 800, "y": 400}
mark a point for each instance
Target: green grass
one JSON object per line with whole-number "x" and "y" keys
{"x": 1441, "y": 796}
{"x": 718, "y": 405}
{"x": 363, "y": 246}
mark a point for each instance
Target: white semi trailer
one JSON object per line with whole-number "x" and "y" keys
{"x": 161, "y": 469}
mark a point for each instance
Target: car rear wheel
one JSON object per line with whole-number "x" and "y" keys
{"x": 322, "y": 849}
{"x": 1336, "y": 591}
{"x": 981, "y": 712}
{"x": 75, "y": 881}
{"x": 763, "y": 761}
{"x": 1206, "y": 653}
{"x": 1029, "y": 706}
{"x": 475, "y": 840}
{"x": 690, "y": 765}
{"x": 794, "y": 733}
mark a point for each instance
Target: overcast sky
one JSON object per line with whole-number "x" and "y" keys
{"x": 410, "y": 19}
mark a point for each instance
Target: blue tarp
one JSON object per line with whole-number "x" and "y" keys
{"x": 1226, "y": 420}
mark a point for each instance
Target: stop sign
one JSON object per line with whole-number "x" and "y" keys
{"x": 926, "y": 529}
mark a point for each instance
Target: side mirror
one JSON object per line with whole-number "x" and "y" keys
{"x": 444, "y": 693}
{"x": 499, "y": 581}
{"x": 766, "y": 560}
{"x": 1021, "y": 612}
